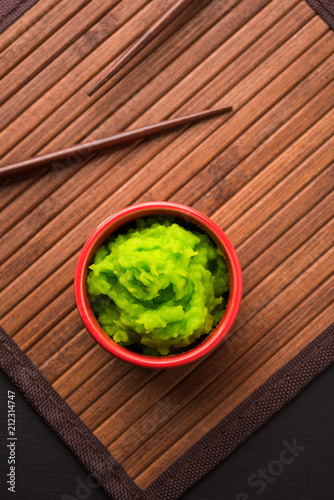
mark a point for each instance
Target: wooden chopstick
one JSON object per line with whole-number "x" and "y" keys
{"x": 144, "y": 40}
{"x": 82, "y": 151}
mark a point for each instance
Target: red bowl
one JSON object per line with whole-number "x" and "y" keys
{"x": 114, "y": 223}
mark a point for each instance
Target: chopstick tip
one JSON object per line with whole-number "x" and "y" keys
{"x": 91, "y": 92}
{"x": 225, "y": 109}
{"x": 99, "y": 84}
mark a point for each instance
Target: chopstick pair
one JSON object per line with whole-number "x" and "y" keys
{"x": 145, "y": 39}
{"x": 82, "y": 151}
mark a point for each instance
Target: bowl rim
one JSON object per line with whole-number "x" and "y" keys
{"x": 115, "y": 222}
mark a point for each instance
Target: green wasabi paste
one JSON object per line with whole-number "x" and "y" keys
{"x": 158, "y": 285}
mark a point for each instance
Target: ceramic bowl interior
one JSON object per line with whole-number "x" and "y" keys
{"x": 188, "y": 216}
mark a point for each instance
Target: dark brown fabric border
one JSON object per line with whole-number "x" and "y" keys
{"x": 199, "y": 460}
{"x": 247, "y": 418}
{"x": 64, "y": 422}
{"x": 10, "y": 10}
{"x": 325, "y": 9}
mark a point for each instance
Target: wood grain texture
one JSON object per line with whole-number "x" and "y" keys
{"x": 264, "y": 174}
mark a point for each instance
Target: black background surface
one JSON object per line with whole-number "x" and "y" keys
{"x": 47, "y": 470}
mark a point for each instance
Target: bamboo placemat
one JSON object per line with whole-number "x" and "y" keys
{"x": 264, "y": 174}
